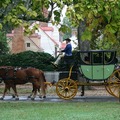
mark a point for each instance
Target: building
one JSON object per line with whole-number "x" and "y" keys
{"x": 45, "y": 39}
{"x": 50, "y": 39}
{"x": 19, "y": 43}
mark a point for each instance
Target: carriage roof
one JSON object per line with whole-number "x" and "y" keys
{"x": 97, "y": 57}
{"x": 97, "y": 51}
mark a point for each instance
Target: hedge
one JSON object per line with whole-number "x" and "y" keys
{"x": 38, "y": 60}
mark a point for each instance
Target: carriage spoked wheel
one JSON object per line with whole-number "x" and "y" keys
{"x": 114, "y": 83}
{"x": 66, "y": 88}
{"x": 108, "y": 90}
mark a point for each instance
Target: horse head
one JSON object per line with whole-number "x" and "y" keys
{"x": 4, "y": 71}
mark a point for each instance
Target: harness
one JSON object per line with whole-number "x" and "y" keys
{"x": 6, "y": 75}
{"x": 13, "y": 76}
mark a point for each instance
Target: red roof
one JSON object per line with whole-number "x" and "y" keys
{"x": 47, "y": 28}
{"x": 35, "y": 35}
{"x": 44, "y": 30}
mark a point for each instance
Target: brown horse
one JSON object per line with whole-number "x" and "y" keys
{"x": 42, "y": 81}
{"x": 14, "y": 76}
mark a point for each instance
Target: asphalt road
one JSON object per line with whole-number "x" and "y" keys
{"x": 57, "y": 99}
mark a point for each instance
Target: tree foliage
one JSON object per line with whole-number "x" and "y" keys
{"x": 68, "y": 29}
{"x": 101, "y": 17}
{"x": 3, "y": 44}
{"x": 15, "y": 13}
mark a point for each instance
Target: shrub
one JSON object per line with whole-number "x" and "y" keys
{"x": 38, "y": 60}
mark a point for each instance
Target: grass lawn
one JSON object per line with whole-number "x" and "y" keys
{"x": 59, "y": 111}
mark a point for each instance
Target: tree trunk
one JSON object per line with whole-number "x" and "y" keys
{"x": 82, "y": 45}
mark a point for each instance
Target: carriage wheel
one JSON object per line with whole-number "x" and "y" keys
{"x": 66, "y": 88}
{"x": 108, "y": 90}
{"x": 114, "y": 83}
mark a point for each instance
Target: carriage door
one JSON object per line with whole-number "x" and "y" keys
{"x": 97, "y": 66}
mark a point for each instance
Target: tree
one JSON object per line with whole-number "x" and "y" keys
{"x": 68, "y": 32}
{"x": 3, "y": 44}
{"x": 15, "y": 13}
{"x": 102, "y": 17}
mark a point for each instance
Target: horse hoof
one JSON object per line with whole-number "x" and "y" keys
{"x": 1, "y": 98}
{"x": 44, "y": 96}
{"x": 29, "y": 96}
{"x": 16, "y": 98}
{"x": 40, "y": 96}
{"x": 13, "y": 96}
{"x": 32, "y": 98}
{"x": 82, "y": 94}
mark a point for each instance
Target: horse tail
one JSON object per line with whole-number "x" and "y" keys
{"x": 44, "y": 79}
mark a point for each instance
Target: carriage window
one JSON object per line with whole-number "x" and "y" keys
{"x": 85, "y": 57}
{"x": 109, "y": 56}
{"x": 97, "y": 57}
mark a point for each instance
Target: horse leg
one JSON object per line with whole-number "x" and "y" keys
{"x": 15, "y": 91}
{"x": 31, "y": 94}
{"x": 43, "y": 90}
{"x": 34, "y": 91}
{"x": 34, "y": 94}
{"x": 5, "y": 91}
{"x": 40, "y": 96}
{"x": 13, "y": 96}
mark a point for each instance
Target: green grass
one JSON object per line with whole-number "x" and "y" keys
{"x": 59, "y": 111}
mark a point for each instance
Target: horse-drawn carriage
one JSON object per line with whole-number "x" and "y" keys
{"x": 96, "y": 67}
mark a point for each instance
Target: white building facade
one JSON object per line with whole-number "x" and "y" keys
{"x": 50, "y": 39}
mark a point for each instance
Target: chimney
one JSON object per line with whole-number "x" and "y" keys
{"x": 18, "y": 44}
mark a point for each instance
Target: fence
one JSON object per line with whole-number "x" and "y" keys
{"x": 52, "y": 76}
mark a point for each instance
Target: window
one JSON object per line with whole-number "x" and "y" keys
{"x": 85, "y": 57}
{"x": 97, "y": 57}
{"x": 109, "y": 57}
{"x": 28, "y": 44}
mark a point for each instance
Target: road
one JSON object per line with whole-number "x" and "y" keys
{"x": 57, "y": 99}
